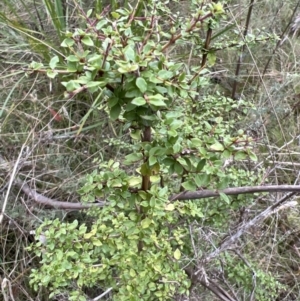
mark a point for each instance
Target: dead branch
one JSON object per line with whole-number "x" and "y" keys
{"x": 195, "y": 195}
{"x": 43, "y": 200}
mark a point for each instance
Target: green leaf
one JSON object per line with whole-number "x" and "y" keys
{"x": 152, "y": 202}
{"x": 53, "y": 62}
{"x": 89, "y": 12}
{"x": 115, "y": 15}
{"x": 135, "y": 134}
{"x": 252, "y": 155}
{"x": 202, "y": 180}
{"x": 223, "y": 183}
{"x": 224, "y": 197}
{"x": 172, "y": 133}
{"x": 132, "y": 273}
{"x": 182, "y": 77}
{"x": 115, "y": 111}
{"x": 36, "y": 65}
{"x": 138, "y": 101}
{"x": 176, "y": 124}
{"x": 133, "y": 93}
{"x": 129, "y": 53}
{"x": 200, "y": 165}
{"x": 71, "y": 85}
{"x": 146, "y": 170}
{"x": 178, "y": 168}
{"x": 226, "y": 154}
{"x": 101, "y": 23}
{"x": 128, "y": 68}
{"x": 68, "y": 42}
{"x": 240, "y": 155}
{"x": 157, "y": 102}
{"x": 182, "y": 161}
{"x": 88, "y": 235}
{"x": 217, "y": 147}
{"x": 72, "y": 67}
{"x": 211, "y": 58}
{"x": 219, "y": 119}
{"x": 145, "y": 204}
{"x": 72, "y": 58}
{"x": 165, "y": 74}
{"x": 155, "y": 179}
{"x": 134, "y": 181}
{"x": 132, "y": 158}
{"x": 51, "y": 73}
{"x": 177, "y": 254}
{"x": 112, "y": 101}
{"x": 189, "y": 185}
{"x": 97, "y": 242}
{"x": 176, "y": 148}
{"x": 141, "y": 84}
{"x": 93, "y": 84}
{"x": 157, "y": 151}
{"x": 87, "y": 41}
{"x": 170, "y": 207}
{"x": 152, "y": 160}
{"x": 145, "y": 223}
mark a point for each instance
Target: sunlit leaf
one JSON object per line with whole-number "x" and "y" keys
{"x": 138, "y": 101}
{"x": 51, "y": 73}
{"x": 165, "y": 74}
{"x": 68, "y": 42}
{"x": 141, "y": 84}
{"x": 53, "y": 62}
{"x": 145, "y": 223}
{"x": 157, "y": 102}
{"x": 170, "y": 207}
{"x": 134, "y": 181}
{"x": 129, "y": 53}
{"x": 87, "y": 41}
{"x": 217, "y": 146}
{"x": 177, "y": 254}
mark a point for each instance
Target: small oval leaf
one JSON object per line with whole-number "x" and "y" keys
{"x": 177, "y": 254}
{"x": 87, "y": 41}
{"x": 138, "y": 101}
{"x": 141, "y": 84}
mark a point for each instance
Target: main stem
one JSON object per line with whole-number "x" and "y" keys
{"x": 146, "y": 137}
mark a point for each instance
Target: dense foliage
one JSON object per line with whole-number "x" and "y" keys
{"x": 139, "y": 242}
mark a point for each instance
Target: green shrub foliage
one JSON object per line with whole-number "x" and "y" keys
{"x": 181, "y": 140}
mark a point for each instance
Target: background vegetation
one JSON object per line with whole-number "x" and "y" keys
{"x": 49, "y": 144}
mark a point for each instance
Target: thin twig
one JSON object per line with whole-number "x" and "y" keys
{"x": 102, "y": 295}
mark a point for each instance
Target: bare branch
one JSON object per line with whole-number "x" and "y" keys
{"x": 194, "y": 195}
{"x": 43, "y": 200}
